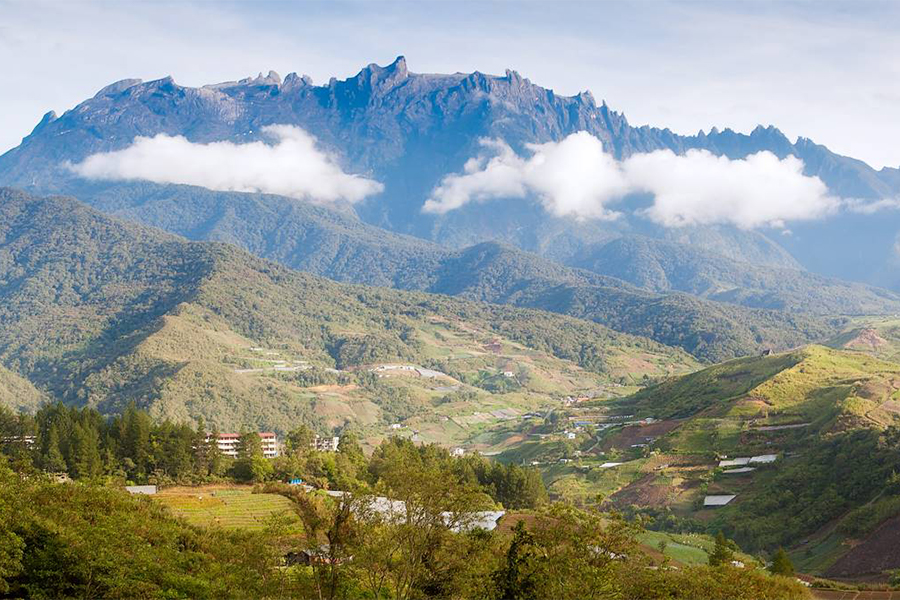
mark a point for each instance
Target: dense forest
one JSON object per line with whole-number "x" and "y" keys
{"x": 94, "y": 311}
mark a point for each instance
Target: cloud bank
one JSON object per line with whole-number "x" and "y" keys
{"x": 576, "y": 177}
{"x": 699, "y": 188}
{"x": 291, "y": 166}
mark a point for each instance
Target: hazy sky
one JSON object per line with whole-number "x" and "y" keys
{"x": 825, "y": 70}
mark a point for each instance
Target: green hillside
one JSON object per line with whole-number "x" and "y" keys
{"x": 98, "y": 312}
{"x": 830, "y": 419}
{"x": 878, "y": 336}
{"x": 17, "y": 392}
{"x": 664, "y": 266}
{"x": 339, "y": 246}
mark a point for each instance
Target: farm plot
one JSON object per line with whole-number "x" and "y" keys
{"x": 230, "y": 508}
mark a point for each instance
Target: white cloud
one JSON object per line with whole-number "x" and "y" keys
{"x": 870, "y": 207}
{"x": 576, "y": 177}
{"x": 292, "y": 166}
{"x": 572, "y": 177}
{"x": 699, "y": 188}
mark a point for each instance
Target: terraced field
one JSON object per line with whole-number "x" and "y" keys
{"x": 230, "y": 507}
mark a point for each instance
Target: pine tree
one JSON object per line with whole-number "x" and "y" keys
{"x": 516, "y": 580}
{"x": 300, "y": 439}
{"x": 781, "y": 564}
{"x": 86, "y": 458}
{"x": 137, "y": 438}
{"x": 250, "y": 445}
{"x": 54, "y": 462}
{"x": 722, "y": 553}
{"x": 251, "y": 465}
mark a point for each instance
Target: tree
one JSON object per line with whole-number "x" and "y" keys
{"x": 300, "y": 439}
{"x": 516, "y": 579}
{"x": 894, "y": 579}
{"x": 722, "y": 553}
{"x": 251, "y": 465}
{"x": 137, "y": 438}
{"x": 249, "y": 445}
{"x": 54, "y": 461}
{"x": 214, "y": 456}
{"x": 781, "y": 564}
{"x": 201, "y": 458}
{"x": 86, "y": 455}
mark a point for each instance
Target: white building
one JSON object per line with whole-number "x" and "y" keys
{"x": 326, "y": 444}
{"x": 720, "y": 500}
{"x": 229, "y": 443}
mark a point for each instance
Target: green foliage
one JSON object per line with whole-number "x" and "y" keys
{"x": 722, "y": 553}
{"x": 833, "y": 475}
{"x": 332, "y": 244}
{"x": 69, "y": 541}
{"x": 894, "y": 579}
{"x": 781, "y": 564}
{"x": 864, "y": 519}
{"x": 689, "y": 583}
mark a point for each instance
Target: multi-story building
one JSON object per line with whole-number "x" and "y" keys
{"x": 326, "y": 444}
{"x": 229, "y": 443}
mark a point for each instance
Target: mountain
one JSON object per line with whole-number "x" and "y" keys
{"x": 99, "y": 312}
{"x": 337, "y": 245}
{"x": 409, "y": 130}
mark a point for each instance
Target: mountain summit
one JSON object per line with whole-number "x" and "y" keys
{"x": 409, "y": 131}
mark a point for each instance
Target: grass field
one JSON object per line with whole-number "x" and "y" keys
{"x": 227, "y": 507}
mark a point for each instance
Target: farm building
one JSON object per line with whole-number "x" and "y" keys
{"x": 720, "y": 500}
{"x": 764, "y": 459}
{"x": 735, "y": 462}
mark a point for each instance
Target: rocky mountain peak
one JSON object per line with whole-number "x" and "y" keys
{"x": 380, "y": 78}
{"x": 117, "y": 87}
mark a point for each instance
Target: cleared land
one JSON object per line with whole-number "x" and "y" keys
{"x": 235, "y": 507}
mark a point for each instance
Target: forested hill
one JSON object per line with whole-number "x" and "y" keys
{"x": 96, "y": 311}
{"x": 339, "y": 246}
{"x": 18, "y": 393}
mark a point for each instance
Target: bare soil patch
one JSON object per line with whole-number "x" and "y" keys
{"x": 877, "y": 553}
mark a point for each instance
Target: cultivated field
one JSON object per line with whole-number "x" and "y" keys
{"x": 234, "y": 507}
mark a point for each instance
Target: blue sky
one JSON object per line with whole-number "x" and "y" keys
{"x": 825, "y": 70}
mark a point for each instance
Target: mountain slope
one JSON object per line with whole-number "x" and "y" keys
{"x": 832, "y": 419}
{"x": 17, "y": 393}
{"x": 409, "y": 130}
{"x": 338, "y": 246}
{"x": 99, "y": 312}
{"x": 663, "y": 266}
